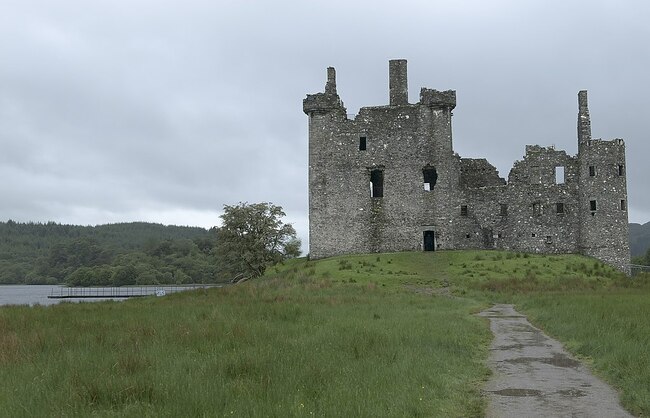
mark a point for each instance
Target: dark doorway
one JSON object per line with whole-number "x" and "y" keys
{"x": 429, "y": 241}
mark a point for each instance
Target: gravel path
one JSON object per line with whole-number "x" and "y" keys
{"x": 533, "y": 376}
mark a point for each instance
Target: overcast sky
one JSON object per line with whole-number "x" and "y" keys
{"x": 164, "y": 111}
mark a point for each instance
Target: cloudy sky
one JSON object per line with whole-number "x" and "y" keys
{"x": 164, "y": 111}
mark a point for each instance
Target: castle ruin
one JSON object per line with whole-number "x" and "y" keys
{"x": 389, "y": 180}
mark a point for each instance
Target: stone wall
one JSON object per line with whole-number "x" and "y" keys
{"x": 389, "y": 180}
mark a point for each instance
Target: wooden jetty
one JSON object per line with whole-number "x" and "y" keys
{"x": 119, "y": 292}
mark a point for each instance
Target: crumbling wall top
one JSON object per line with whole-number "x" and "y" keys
{"x": 436, "y": 98}
{"x": 324, "y": 102}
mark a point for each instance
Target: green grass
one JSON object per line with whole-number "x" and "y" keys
{"x": 610, "y": 330}
{"x": 367, "y": 335}
{"x": 281, "y": 347}
{"x": 493, "y": 271}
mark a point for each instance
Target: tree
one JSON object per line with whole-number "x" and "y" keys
{"x": 253, "y": 237}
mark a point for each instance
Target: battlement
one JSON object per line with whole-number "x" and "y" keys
{"x": 321, "y": 102}
{"x": 435, "y": 98}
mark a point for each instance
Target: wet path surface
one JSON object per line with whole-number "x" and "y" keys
{"x": 533, "y": 376}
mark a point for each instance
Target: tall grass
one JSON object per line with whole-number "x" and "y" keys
{"x": 610, "y": 330}
{"x": 367, "y": 335}
{"x": 303, "y": 347}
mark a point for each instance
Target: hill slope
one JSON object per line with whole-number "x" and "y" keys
{"x": 639, "y": 238}
{"x": 39, "y": 253}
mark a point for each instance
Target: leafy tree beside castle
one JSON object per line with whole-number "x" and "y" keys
{"x": 253, "y": 237}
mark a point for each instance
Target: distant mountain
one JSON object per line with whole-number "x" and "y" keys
{"x": 639, "y": 238}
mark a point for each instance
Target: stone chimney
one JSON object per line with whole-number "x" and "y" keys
{"x": 397, "y": 83}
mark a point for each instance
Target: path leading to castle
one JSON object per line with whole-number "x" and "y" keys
{"x": 533, "y": 376}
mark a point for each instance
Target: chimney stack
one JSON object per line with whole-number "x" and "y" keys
{"x": 584, "y": 122}
{"x": 397, "y": 83}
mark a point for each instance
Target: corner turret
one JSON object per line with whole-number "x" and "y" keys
{"x": 438, "y": 99}
{"x": 328, "y": 101}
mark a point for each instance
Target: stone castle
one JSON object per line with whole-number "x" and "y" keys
{"x": 389, "y": 180}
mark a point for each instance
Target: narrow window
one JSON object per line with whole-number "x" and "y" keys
{"x": 463, "y": 210}
{"x": 592, "y": 171}
{"x": 536, "y": 175}
{"x": 466, "y": 235}
{"x": 430, "y": 177}
{"x": 532, "y": 235}
{"x": 623, "y": 204}
{"x": 537, "y": 209}
{"x": 549, "y": 239}
{"x": 559, "y": 208}
{"x": 362, "y": 143}
{"x": 621, "y": 170}
{"x": 504, "y": 209}
{"x": 559, "y": 175}
{"x": 592, "y": 205}
{"x": 376, "y": 183}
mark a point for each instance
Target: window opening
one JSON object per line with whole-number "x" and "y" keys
{"x": 621, "y": 170}
{"x": 463, "y": 210}
{"x": 376, "y": 183}
{"x": 466, "y": 235}
{"x": 592, "y": 205}
{"x": 623, "y": 204}
{"x": 362, "y": 143}
{"x": 559, "y": 208}
{"x": 592, "y": 171}
{"x": 532, "y": 235}
{"x": 559, "y": 175}
{"x": 549, "y": 239}
{"x": 430, "y": 178}
{"x": 429, "y": 241}
{"x": 504, "y": 209}
{"x": 537, "y": 209}
{"x": 536, "y": 175}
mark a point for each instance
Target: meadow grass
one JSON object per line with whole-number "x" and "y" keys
{"x": 367, "y": 335}
{"x": 610, "y": 330}
{"x": 599, "y": 314}
{"x": 279, "y": 347}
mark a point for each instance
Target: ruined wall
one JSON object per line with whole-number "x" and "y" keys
{"x": 388, "y": 180}
{"x": 603, "y": 202}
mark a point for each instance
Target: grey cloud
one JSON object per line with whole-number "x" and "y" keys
{"x": 119, "y": 109}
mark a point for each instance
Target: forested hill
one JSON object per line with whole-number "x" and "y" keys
{"x": 150, "y": 253}
{"x": 639, "y": 239}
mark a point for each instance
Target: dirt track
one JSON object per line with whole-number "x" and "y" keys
{"x": 533, "y": 376}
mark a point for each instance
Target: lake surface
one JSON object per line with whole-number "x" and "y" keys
{"x": 27, "y": 294}
{"x": 38, "y": 294}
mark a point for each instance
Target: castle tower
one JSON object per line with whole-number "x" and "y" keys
{"x": 380, "y": 181}
{"x": 602, "y": 201}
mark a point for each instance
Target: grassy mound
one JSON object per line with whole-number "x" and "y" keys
{"x": 462, "y": 271}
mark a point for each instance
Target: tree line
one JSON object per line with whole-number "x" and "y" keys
{"x": 251, "y": 237}
{"x": 107, "y": 255}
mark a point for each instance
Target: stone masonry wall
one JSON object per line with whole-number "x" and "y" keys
{"x": 389, "y": 180}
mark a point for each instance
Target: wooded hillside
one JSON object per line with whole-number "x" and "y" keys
{"x": 113, "y": 254}
{"x": 639, "y": 238}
